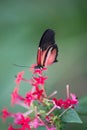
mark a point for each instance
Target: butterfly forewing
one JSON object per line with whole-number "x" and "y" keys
{"x": 47, "y": 39}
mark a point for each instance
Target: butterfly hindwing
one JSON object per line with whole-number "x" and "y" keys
{"x": 39, "y": 53}
{"x": 51, "y": 55}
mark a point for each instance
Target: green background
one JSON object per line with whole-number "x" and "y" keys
{"x": 22, "y": 23}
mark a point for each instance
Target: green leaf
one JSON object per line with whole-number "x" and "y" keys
{"x": 71, "y": 116}
{"x": 82, "y": 107}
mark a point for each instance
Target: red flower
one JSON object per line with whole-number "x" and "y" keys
{"x": 24, "y": 122}
{"x": 5, "y": 114}
{"x": 38, "y": 93}
{"x": 74, "y": 98}
{"x": 19, "y": 77}
{"x": 71, "y": 101}
{"x": 29, "y": 98}
{"x": 15, "y": 97}
{"x": 67, "y": 103}
{"x": 35, "y": 81}
{"x": 19, "y": 119}
{"x": 58, "y": 102}
{"x": 40, "y": 80}
{"x": 35, "y": 123}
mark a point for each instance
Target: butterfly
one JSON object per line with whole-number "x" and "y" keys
{"x": 47, "y": 51}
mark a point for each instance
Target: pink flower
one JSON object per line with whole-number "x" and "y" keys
{"x": 67, "y": 103}
{"x": 38, "y": 93}
{"x": 5, "y": 114}
{"x": 19, "y": 77}
{"x": 17, "y": 117}
{"x": 21, "y": 121}
{"x": 29, "y": 98}
{"x": 70, "y": 101}
{"x": 24, "y": 122}
{"x": 74, "y": 98}
{"x": 58, "y": 103}
{"x": 34, "y": 123}
{"x": 40, "y": 80}
{"x": 15, "y": 97}
{"x": 35, "y": 81}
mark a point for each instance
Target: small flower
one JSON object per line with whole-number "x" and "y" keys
{"x": 19, "y": 77}
{"x": 74, "y": 98}
{"x": 67, "y": 103}
{"x": 40, "y": 80}
{"x": 15, "y": 97}
{"x": 58, "y": 103}
{"x": 24, "y": 122}
{"x": 38, "y": 93}
{"x": 34, "y": 123}
{"x": 29, "y": 98}
{"x": 20, "y": 120}
{"x": 71, "y": 101}
{"x": 17, "y": 117}
{"x": 5, "y": 114}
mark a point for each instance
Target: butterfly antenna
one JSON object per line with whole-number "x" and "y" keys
{"x": 20, "y": 65}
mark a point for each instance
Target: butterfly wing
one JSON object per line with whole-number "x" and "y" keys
{"x": 47, "y": 39}
{"x": 48, "y": 50}
{"x": 51, "y": 55}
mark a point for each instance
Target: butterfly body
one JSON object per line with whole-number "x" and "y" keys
{"x": 47, "y": 50}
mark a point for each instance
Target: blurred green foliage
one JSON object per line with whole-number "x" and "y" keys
{"x": 22, "y": 23}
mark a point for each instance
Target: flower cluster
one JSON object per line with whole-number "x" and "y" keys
{"x": 40, "y": 108}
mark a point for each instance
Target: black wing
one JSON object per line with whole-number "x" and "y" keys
{"x": 47, "y": 39}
